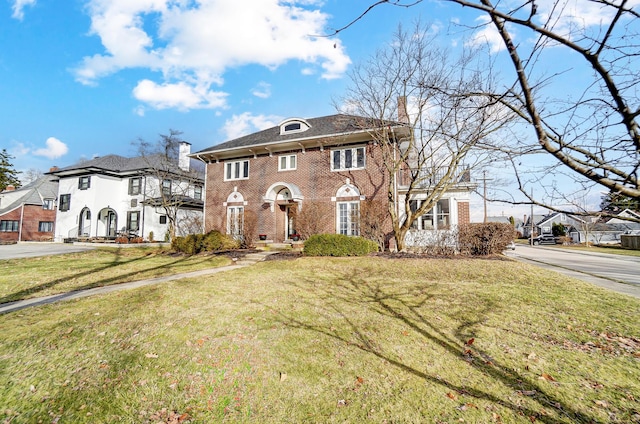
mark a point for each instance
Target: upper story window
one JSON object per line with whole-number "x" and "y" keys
{"x": 351, "y": 158}
{"x": 135, "y": 185}
{"x": 287, "y": 163}
{"x": 236, "y": 170}
{"x": 293, "y": 125}
{"x": 166, "y": 187}
{"x": 47, "y": 204}
{"x": 197, "y": 192}
{"x": 84, "y": 182}
{"x": 65, "y": 202}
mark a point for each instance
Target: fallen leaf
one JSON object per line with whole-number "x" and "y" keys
{"x": 151, "y": 355}
{"x": 527, "y": 392}
{"x": 283, "y": 376}
{"x": 342, "y": 402}
{"x": 547, "y": 377}
{"x": 452, "y": 396}
{"x": 69, "y": 331}
{"x": 470, "y": 341}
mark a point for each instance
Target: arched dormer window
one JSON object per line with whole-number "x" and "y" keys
{"x": 293, "y": 125}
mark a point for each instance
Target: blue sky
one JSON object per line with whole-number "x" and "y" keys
{"x": 86, "y": 78}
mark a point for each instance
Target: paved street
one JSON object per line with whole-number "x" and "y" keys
{"x": 32, "y": 249}
{"x": 615, "y": 272}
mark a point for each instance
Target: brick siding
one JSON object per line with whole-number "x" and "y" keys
{"x": 32, "y": 216}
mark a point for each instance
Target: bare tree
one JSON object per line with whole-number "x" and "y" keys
{"x": 583, "y": 114}
{"x": 32, "y": 174}
{"x": 435, "y": 95}
{"x": 174, "y": 183}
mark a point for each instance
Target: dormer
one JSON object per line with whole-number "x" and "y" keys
{"x": 293, "y": 125}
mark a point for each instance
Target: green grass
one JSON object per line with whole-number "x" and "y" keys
{"x": 47, "y": 275}
{"x": 331, "y": 340}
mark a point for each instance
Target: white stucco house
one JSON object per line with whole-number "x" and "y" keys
{"x": 114, "y": 196}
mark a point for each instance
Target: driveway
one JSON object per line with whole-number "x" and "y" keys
{"x": 614, "y": 272}
{"x": 32, "y": 249}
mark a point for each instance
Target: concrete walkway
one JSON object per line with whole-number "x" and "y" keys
{"x": 247, "y": 260}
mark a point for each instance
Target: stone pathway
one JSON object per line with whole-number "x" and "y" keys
{"x": 247, "y": 260}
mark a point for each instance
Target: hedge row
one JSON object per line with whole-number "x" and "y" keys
{"x": 338, "y": 245}
{"x": 210, "y": 242}
{"x": 484, "y": 239}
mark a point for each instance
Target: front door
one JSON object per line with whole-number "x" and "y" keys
{"x": 112, "y": 222}
{"x": 290, "y": 220}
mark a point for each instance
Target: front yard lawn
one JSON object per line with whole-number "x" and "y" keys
{"x": 47, "y": 275}
{"x": 331, "y": 340}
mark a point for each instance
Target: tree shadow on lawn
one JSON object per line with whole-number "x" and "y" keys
{"x": 342, "y": 294}
{"x": 116, "y": 262}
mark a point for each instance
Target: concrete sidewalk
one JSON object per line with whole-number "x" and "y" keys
{"x": 249, "y": 259}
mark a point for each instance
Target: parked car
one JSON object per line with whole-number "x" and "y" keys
{"x": 544, "y": 239}
{"x": 511, "y": 246}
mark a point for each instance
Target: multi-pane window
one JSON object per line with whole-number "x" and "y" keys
{"x": 166, "y": 187}
{"x": 352, "y": 158}
{"x": 197, "y": 192}
{"x": 235, "y": 221}
{"x": 9, "y": 226}
{"x": 349, "y": 218}
{"x": 436, "y": 218}
{"x": 84, "y": 182}
{"x": 47, "y": 204}
{"x": 65, "y": 202}
{"x": 135, "y": 185}
{"x": 45, "y": 226}
{"x": 287, "y": 163}
{"x": 238, "y": 170}
{"x": 133, "y": 220}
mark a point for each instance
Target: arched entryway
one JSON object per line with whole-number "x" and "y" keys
{"x": 107, "y": 223}
{"x": 285, "y": 200}
{"x": 84, "y": 223}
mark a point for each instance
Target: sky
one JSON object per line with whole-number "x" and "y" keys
{"x": 87, "y": 78}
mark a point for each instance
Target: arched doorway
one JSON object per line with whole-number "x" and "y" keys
{"x": 285, "y": 200}
{"x": 107, "y": 223}
{"x": 84, "y": 223}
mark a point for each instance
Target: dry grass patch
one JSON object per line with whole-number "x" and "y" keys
{"x": 331, "y": 340}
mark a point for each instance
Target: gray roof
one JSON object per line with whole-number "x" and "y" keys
{"x": 115, "y": 164}
{"x": 319, "y": 127}
{"x": 45, "y": 187}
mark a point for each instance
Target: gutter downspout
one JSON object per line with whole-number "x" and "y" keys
{"x": 21, "y": 222}
{"x": 204, "y": 193}
{"x": 144, "y": 206}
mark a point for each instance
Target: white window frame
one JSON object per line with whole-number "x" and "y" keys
{"x": 236, "y": 170}
{"x": 344, "y": 156}
{"x": 235, "y": 221}
{"x": 345, "y": 222}
{"x": 290, "y": 163}
{"x": 197, "y": 192}
{"x": 48, "y": 204}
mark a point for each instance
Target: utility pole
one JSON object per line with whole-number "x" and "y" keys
{"x": 484, "y": 196}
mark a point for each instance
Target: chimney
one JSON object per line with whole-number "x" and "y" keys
{"x": 403, "y": 115}
{"x": 10, "y": 187}
{"x": 53, "y": 169}
{"x": 183, "y": 158}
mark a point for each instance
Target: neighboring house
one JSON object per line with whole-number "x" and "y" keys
{"x": 113, "y": 196}
{"x": 329, "y": 162}
{"x": 28, "y": 213}
{"x": 543, "y": 224}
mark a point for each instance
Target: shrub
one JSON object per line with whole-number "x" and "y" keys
{"x": 338, "y": 245}
{"x": 484, "y": 239}
{"x": 210, "y": 242}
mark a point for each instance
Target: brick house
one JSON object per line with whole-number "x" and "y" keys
{"x": 28, "y": 213}
{"x": 274, "y": 174}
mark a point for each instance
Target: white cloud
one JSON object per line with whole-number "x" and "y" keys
{"x": 262, "y": 90}
{"x": 194, "y": 43}
{"x": 180, "y": 95}
{"x": 18, "y": 8}
{"x": 55, "y": 149}
{"x": 489, "y": 35}
{"x": 247, "y": 123}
